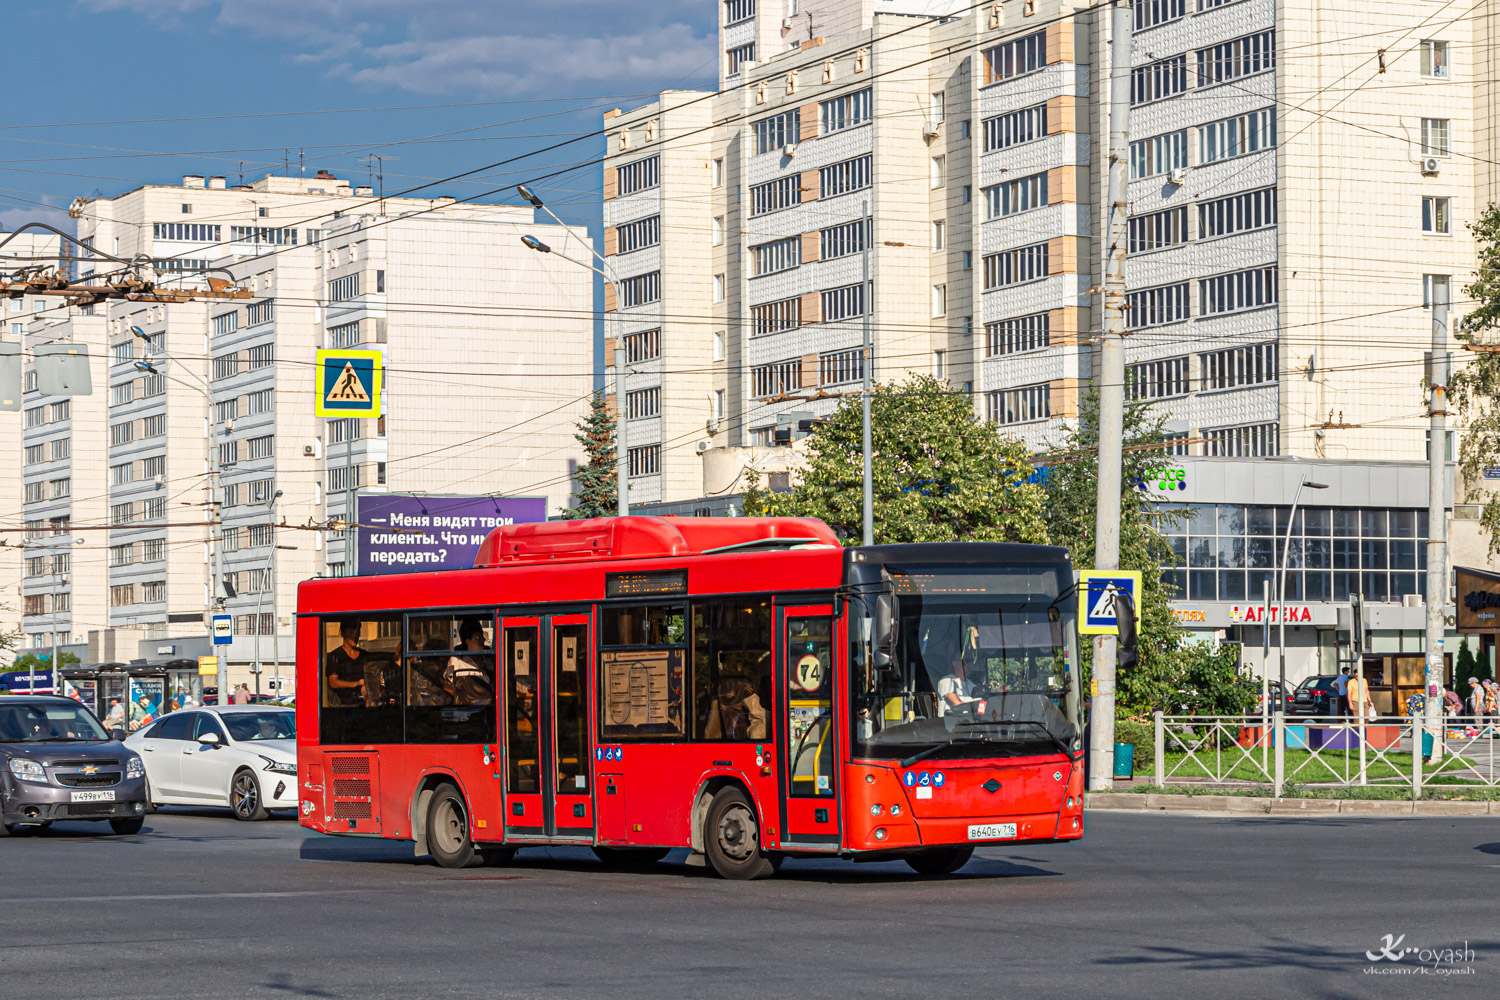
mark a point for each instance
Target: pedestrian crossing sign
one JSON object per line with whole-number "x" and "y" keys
{"x": 348, "y": 383}
{"x": 1097, "y": 590}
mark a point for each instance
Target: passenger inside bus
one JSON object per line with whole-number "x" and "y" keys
{"x": 468, "y": 679}
{"x": 738, "y": 713}
{"x": 425, "y": 677}
{"x": 345, "y": 666}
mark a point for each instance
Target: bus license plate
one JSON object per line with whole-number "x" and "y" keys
{"x": 992, "y": 831}
{"x": 93, "y": 796}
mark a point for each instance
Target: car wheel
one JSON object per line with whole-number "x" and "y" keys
{"x": 731, "y": 838}
{"x": 150, "y": 805}
{"x": 448, "y": 839}
{"x": 630, "y": 857}
{"x": 244, "y": 797}
{"x": 125, "y": 827}
{"x": 940, "y": 861}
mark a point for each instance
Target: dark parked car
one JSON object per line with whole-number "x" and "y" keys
{"x": 57, "y": 762}
{"x": 1279, "y": 699}
{"x": 1316, "y": 696}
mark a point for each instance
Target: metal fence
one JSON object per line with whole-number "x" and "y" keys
{"x": 1327, "y": 751}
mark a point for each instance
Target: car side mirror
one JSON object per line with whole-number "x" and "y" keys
{"x": 208, "y": 739}
{"x": 118, "y": 735}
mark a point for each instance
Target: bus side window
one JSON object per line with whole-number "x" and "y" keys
{"x": 362, "y": 683}
{"x": 732, "y": 669}
{"x": 809, "y": 705}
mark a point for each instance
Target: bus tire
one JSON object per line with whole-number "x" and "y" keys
{"x": 630, "y": 857}
{"x": 731, "y": 837}
{"x": 940, "y": 860}
{"x": 448, "y": 839}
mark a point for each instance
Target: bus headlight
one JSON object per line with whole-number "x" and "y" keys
{"x": 895, "y": 810}
{"x": 876, "y": 809}
{"x": 880, "y": 833}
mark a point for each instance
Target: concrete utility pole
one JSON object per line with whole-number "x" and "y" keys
{"x": 867, "y": 360}
{"x": 1111, "y": 390}
{"x": 1437, "y": 522}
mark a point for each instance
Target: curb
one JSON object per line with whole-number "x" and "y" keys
{"x": 1256, "y": 806}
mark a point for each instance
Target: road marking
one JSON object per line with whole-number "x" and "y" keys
{"x": 4, "y": 900}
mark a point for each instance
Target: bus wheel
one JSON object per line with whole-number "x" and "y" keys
{"x": 940, "y": 861}
{"x": 731, "y": 837}
{"x": 630, "y": 857}
{"x": 448, "y": 830}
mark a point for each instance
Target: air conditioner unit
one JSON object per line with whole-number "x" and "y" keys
{"x": 931, "y": 130}
{"x": 789, "y": 150}
{"x": 1177, "y": 176}
{"x": 704, "y": 445}
{"x": 309, "y": 451}
{"x": 159, "y": 480}
{"x": 1431, "y": 165}
{"x": 786, "y": 22}
{"x": 1412, "y": 600}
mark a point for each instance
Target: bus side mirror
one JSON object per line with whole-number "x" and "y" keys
{"x": 885, "y": 625}
{"x": 1127, "y": 650}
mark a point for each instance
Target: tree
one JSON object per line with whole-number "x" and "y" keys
{"x": 42, "y": 662}
{"x": 598, "y": 479}
{"x": 1474, "y": 390}
{"x": 1173, "y": 675}
{"x": 940, "y": 474}
{"x": 754, "y": 501}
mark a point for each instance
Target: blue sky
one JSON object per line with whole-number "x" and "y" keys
{"x": 531, "y": 74}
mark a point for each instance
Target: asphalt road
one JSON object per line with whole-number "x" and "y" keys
{"x": 1152, "y": 906}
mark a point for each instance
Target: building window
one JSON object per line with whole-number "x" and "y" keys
{"x": 36, "y": 416}
{"x": 1226, "y": 293}
{"x": 121, "y": 513}
{"x": 1026, "y": 125}
{"x": 718, "y": 173}
{"x": 1157, "y": 379}
{"x": 185, "y": 232}
{"x": 638, "y": 235}
{"x": 119, "y": 475}
{"x": 841, "y": 178}
{"x": 1150, "y": 13}
{"x": 1230, "y": 137}
{"x": 1014, "y": 58}
{"x": 1158, "y": 155}
{"x": 843, "y": 240}
{"x": 939, "y": 301}
{"x": 262, "y": 356}
{"x": 770, "y": 317}
{"x": 261, "y": 401}
{"x": 847, "y": 111}
{"x": 717, "y": 230}
{"x": 1158, "y": 80}
{"x": 782, "y": 255}
{"x": 154, "y": 591}
{"x": 640, "y": 290}
{"x": 966, "y": 259}
{"x": 718, "y": 404}
{"x": 1249, "y": 441}
{"x": 738, "y": 57}
{"x": 226, "y": 323}
{"x": 643, "y": 403}
{"x": 121, "y": 595}
{"x": 1434, "y": 289}
{"x": 940, "y": 365}
{"x": 778, "y": 131}
{"x": 58, "y": 412}
{"x": 938, "y": 172}
{"x": 263, "y": 235}
{"x": 63, "y": 447}
{"x": 260, "y": 312}
{"x": 839, "y": 367}
{"x": 642, "y": 346}
{"x": 645, "y": 461}
{"x": 775, "y": 195}
{"x": 638, "y": 176}
{"x": 1013, "y": 267}
{"x": 1157, "y": 306}
{"x": 842, "y": 303}
{"x": 36, "y": 453}
{"x": 343, "y": 335}
{"x": 122, "y": 555}
{"x": 939, "y": 232}
{"x": 937, "y": 107}
{"x": 343, "y": 289}
{"x": 1013, "y": 336}
{"x": 1238, "y": 213}
{"x": 154, "y": 426}
{"x": 1018, "y": 406}
{"x": 1436, "y": 217}
{"x": 718, "y": 288}
{"x": 1157, "y": 231}
{"x": 1237, "y": 58}
{"x": 154, "y": 550}
{"x": 777, "y": 379}
{"x": 1238, "y": 366}
{"x": 34, "y": 492}
{"x": 1435, "y": 59}
{"x": 719, "y": 345}
{"x": 124, "y": 351}
{"x": 1017, "y": 196}
{"x": 226, "y": 365}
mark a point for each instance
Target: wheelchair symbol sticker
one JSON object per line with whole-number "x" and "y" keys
{"x": 925, "y": 779}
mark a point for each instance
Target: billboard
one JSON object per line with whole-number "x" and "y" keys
{"x": 404, "y": 533}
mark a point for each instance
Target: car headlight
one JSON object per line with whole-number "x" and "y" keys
{"x": 277, "y": 767}
{"x": 135, "y": 768}
{"x": 27, "y": 770}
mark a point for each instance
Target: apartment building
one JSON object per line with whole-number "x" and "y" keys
{"x": 487, "y": 351}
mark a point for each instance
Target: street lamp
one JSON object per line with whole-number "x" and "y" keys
{"x": 1281, "y": 583}
{"x": 270, "y": 569}
{"x": 622, "y": 473}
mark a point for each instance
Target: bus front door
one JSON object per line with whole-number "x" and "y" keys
{"x": 545, "y": 712}
{"x": 805, "y": 681}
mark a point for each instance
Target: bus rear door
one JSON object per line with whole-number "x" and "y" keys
{"x": 805, "y": 679}
{"x": 545, "y": 729}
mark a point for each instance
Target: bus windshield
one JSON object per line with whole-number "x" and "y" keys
{"x": 984, "y": 665}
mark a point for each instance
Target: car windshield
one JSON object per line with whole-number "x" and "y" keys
{"x": 983, "y": 667}
{"x": 247, "y": 727}
{"x": 49, "y": 722}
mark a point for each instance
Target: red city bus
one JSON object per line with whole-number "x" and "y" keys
{"x": 746, "y": 688}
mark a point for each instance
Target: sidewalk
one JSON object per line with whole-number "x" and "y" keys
{"x": 1247, "y": 805}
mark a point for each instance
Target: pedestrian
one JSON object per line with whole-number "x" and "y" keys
{"x": 1452, "y": 703}
{"x": 1340, "y": 704}
{"x": 1491, "y": 700}
{"x": 1476, "y": 699}
{"x": 242, "y": 694}
{"x": 116, "y": 717}
{"x": 1359, "y": 698}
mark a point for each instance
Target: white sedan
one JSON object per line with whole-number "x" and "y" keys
{"x": 240, "y": 756}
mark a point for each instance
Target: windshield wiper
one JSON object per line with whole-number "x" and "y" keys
{"x": 1028, "y": 722}
{"x": 908, "y": 762}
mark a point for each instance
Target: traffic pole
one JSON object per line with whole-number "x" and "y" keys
{"x": 1111, "y": 391}
{"x": 1437, "y": 526}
